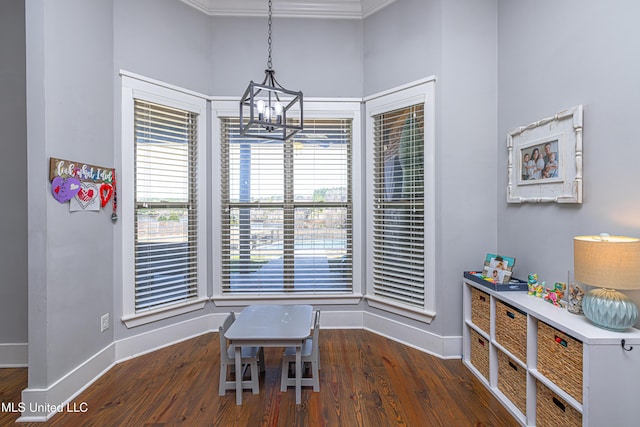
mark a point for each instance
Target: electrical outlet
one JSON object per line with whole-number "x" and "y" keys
{"x": 104, "y": 322}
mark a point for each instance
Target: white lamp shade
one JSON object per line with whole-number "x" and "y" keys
{"x": 607, "y": 261}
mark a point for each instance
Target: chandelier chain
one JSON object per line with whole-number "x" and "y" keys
{"x": 269, "y": 63}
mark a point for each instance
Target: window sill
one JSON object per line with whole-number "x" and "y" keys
{"x": 402, "y": 310}
{"x": 133, "y": 320}
{"x": 235, "y": 300}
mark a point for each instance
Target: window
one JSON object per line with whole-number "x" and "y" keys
{"x": 166, "y": 205}
{"x": 398, "y": 213}
{"x": 161, "y": 209}
{"x": 287, "y": 210}
{"x": 400, "y": 231}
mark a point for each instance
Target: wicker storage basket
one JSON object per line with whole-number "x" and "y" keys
{"x": 553, "y": 411}
{"x": 511, "y": 330}
{"x": 480, "y": 353}
{"x": 555, "y": 346}
{"x": 480, "y": 308}
{"x": 512, "y": 381}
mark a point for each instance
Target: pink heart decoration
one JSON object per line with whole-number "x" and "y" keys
{"x": 106, "y": 191}
{"x": 64, "y": 189}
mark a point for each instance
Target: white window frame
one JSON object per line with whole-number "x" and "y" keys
{"x": 420, "y": 91}
{"x": 317, "y": 109}
{"x": 138, "y": 87}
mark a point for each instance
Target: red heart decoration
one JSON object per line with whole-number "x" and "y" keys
{"x": 106, "y": 191}
{"x": 57, "y": 189}
{"x": 85, "y": 196}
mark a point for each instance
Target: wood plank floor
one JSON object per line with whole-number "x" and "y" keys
{"x": 365, "y": 380}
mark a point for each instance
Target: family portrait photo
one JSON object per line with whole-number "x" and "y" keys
{"x": 540, "y": 161}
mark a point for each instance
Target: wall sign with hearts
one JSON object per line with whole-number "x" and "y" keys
{"x": 86, "y": 187}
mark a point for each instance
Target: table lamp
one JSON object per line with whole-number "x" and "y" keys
{"x": 609, "y": 263}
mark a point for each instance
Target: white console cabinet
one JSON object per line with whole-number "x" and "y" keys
{"x": 547, "y": 366}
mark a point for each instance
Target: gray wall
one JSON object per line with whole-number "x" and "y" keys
{"x": 321, "y": 57}
{"x": 555, "y": 55}
{"x": 467, "y": 150}
{"x": 402, "y": 43}
{"x": 455, "y": 41}
{"x": 220, "y": 55}
{"x": 70, "y": 116}
{"x": 165, "y": 40}
{"x": 13, "y": 173}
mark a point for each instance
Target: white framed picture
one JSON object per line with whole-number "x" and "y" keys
{"x": 545, "y": 160}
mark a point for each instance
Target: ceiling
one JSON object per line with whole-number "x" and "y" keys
{"x": 344, "y": 9}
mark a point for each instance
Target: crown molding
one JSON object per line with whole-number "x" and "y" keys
{"x": 338, "y": 9}
{"x": 369, "y": 7}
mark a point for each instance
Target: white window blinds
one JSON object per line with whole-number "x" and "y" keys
{"x": 287, "y": 210}
{"x": 399, "y": 206}
{"x": 166, "y": 204}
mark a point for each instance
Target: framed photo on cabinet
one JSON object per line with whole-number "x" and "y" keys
{"x": 545, "y": 160}
{"x": 498, "y": 268}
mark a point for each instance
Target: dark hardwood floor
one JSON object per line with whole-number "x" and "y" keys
{"x": 365, "y": 380}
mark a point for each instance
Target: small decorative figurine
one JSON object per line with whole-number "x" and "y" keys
{"x": 534, "y": 286}
{"x": 575, "y": 299}
{"x": 554, "y": 295}
{"x": 540, "y": 290}
{"x": 532, "y": 283}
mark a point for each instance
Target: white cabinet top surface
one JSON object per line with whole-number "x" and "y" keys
{"x": 577, "y": 326}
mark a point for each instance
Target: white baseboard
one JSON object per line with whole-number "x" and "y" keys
{"x": 14, "y": 355}
{"x": 147, "y": 342}
{"x": 442, "y": 347}
{"x": 40, "y": 404}
{"x": 341, "y": 319}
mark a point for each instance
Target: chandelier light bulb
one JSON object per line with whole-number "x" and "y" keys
{"x": 260, "y": 109}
